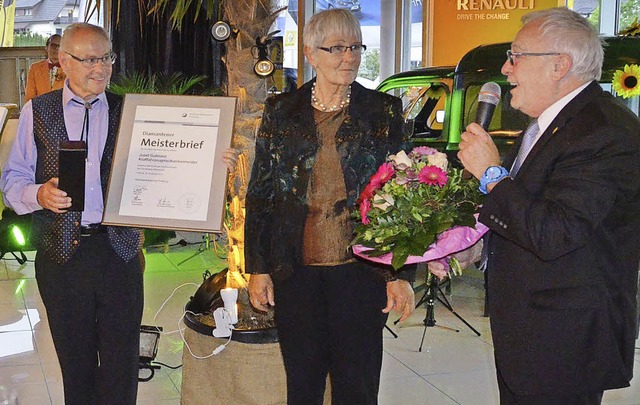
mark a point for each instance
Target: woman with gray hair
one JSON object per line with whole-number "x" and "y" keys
{"x": 316, "y": 149}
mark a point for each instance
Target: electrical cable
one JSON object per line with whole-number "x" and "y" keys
{"x": 215, "y": 351}
{"x": 155, "y": 365}
{"x": 151, "y": 369}
{"x": 166, "y": 365}
{"x": 170, "y": 296}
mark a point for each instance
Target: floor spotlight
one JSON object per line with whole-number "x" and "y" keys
{"x": 149, "y": 339}
{"x": 12, "y": 236}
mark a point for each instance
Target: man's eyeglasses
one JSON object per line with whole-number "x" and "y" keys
{"x": 513, "y": 56}
{"x": 342, "y": 49}
{"x": 91, "y": 62}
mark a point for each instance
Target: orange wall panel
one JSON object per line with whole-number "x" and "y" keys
{"x": 458, "y": 26}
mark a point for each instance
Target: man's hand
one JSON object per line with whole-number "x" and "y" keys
{"x": 401, "y": 298}
{"x": 52, "y": 198}
{"x": 261, "y": 291}
{"x": 477, "y": 150}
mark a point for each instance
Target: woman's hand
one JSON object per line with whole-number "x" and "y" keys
{"x": 401, "y": 298}
{"x": 230, "y": 158}
{"x": 261, "y": 291}
{"x": 470, "y": 255}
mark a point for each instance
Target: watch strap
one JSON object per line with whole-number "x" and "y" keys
{"x": 489, "y": 176}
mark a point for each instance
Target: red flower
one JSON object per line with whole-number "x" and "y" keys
{"x": 367, "y": 193}
{"x": 432, "y": 175}
{"x": 384, "y": 174}
{"x": 365, "y": 206}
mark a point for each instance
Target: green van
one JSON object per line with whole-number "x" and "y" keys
{"x": 440, "y": 102}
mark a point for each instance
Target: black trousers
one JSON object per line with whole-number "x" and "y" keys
{"x": 330, "y": 320}
{"x": 94, "y": 308}
{"x": 508, "y": 397}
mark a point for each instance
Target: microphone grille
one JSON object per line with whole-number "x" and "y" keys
{"x": 490, "y": 93}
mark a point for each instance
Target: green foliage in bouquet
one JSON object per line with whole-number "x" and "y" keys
{"x": 410, "y": 201}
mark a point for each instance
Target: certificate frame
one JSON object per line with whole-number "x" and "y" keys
{"x": 176, "y": 160}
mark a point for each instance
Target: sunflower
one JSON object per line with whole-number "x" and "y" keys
{"x": 632, "y": 30}
{"x": 626, "y": 82}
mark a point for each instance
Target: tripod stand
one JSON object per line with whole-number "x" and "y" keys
{"x": 21, "y": 259}
{"x": 204, "y": 246}
{"x": 432, "y": 288}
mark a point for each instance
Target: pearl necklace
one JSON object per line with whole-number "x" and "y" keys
{"x": 322, "y": 107}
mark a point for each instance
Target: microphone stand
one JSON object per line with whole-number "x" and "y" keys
{"x": 429, "y": 297}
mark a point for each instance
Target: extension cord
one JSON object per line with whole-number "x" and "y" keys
{"x": 218, "y": 349}
{"x": 222, "y": 318}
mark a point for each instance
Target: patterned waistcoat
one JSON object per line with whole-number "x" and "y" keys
{"x": 58, "y": 235}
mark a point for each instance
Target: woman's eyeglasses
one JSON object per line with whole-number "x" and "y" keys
{"x": 513, "y": 56}
{"x": 342, "y": 49}
{"x": 109, "y": 59}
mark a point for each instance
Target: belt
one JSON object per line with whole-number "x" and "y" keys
{"x": 92, "y": 229}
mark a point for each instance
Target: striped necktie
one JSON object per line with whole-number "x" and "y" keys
{"x": 528, "y": 140}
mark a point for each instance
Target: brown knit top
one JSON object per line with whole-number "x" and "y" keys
{"x": 328, "y": 230}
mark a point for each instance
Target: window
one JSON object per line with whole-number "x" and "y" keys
{"x": 423, "y": 107}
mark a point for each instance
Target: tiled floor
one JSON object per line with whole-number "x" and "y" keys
{"x": 453, "y": 367}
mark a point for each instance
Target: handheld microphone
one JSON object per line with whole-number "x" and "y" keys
{"x": 488, "y": 99}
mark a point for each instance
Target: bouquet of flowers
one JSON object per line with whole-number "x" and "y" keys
{"x": 417, "y": 209}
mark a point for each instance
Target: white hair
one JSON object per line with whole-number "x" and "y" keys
{"x": 571, "y": 34}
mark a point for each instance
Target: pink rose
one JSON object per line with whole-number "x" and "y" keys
{"x": 423, "y": 151}
{"x": 401, "y": 160}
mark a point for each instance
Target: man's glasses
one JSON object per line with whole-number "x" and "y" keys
{"x": 513, "y": 56}
{"x": 92, "y": 62}
{"x": 342, "y": 49}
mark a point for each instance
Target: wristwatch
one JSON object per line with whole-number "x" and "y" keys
{"x": 493, "y": 174}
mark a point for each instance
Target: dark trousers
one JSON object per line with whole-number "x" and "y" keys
{"x": 330, "y": 320}
{"x": 508, "y": 397}
{"x": 94, "y": 307}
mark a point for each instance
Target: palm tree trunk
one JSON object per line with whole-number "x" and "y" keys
{"x": 252, "y": 19}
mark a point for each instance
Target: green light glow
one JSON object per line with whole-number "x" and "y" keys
{"x": 20, "y": 286}
{"x": 18, "y": 236}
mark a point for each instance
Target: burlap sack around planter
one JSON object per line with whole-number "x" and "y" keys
{"x": 242, "y": 374}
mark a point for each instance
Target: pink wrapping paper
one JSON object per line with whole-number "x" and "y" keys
{"x": 448, "y": 242}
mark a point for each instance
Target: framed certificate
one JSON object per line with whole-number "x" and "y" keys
{"x": 167, "y": 170}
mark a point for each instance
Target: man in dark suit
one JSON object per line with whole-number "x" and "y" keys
{"x": 89, "y": 275}
{"x": 564, "y": 214}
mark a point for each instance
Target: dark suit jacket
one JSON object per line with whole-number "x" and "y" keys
{"x": 286, "y": 147}
{"x": 564, "y": 252}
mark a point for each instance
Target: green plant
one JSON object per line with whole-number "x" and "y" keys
{"x": 370, "y": 67}
{"x": 29, "y": 39}
{"x": 163, "y": 83}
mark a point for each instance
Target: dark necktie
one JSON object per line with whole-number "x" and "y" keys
{"x": 52, "y": 65}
